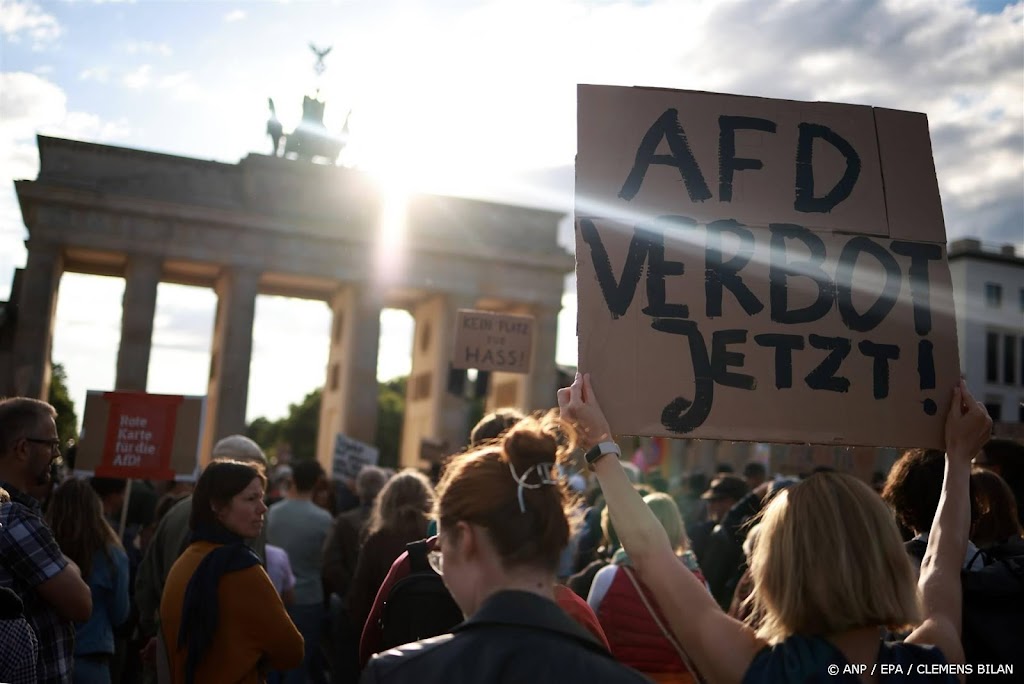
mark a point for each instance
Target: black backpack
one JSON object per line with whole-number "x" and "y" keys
{"x": 419, "y": 605}
{"x": 993, "y": 606}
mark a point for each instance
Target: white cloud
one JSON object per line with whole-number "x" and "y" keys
{"x": 26, "y": 102}
{"x": 23, "y": 17}
{"x": 181, "y": 85}
{"x": 139, "y": 78}
{"x": 142, "y": 47}
{"x": 31, "y": 104}
{"x": 234, "y": 15}
{"x": 99, "y": 74}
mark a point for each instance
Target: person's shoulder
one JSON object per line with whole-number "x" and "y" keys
{"x": 477, "y": 655}
{"x": 352, "y": 517}
{"x": 321, "y": 515}
{"x": 14, "y": 513}
{"x": 398, "y": 663}
{"x": 182, "y": 508}
{"x": 797, "y": 658}
{"x": 25, "y": 529}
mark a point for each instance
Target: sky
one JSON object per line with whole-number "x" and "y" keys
{"x": 466, "y": 98}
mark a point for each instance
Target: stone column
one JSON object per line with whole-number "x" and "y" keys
{"x": 349, "y": 404}
{"x": 231, "y": 355}
{"x": 543, "y": 378}
{"x": 431, "y": 412}
{"x": 142, "y": 276}
{"x": 33, "y": 337}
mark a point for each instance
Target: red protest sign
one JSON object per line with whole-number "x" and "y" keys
{"x": 139, "y": 435}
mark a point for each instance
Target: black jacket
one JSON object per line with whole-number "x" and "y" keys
{"x": 515, "y": 638}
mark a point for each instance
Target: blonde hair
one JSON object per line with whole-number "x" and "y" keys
{"x": 829, "y": 558}
{"x": 667, "y": 513}
{"x": 404, "y": 504}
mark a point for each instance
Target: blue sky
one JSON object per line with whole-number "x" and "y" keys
{"x": 469, "y": 98}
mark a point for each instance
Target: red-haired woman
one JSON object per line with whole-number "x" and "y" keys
{"x": 504, "y": 519}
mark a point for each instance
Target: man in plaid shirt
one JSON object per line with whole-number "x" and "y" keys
{"x": 31, "y": 563}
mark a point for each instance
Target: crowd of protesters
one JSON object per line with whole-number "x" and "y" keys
{"x": 536, "y": 556}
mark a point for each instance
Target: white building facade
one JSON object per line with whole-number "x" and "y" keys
{"x": 988, "y": 291}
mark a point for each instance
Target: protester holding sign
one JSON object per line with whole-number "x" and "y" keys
{"x": 503, "y": 525}
{"x": 816, "y": 620}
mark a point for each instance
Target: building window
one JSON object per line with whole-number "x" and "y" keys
{"x": 1022, "y": 299}
{"x": 1010, "y": 359}
{"x": 995, "y": 409}
{"x": 993, "y": 295}
{"x": 992, "y": 357}
{"x": 1020, "y": 411}
{"x": 1022, "y": 361}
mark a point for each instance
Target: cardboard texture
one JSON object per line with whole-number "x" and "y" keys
{"x": 793, "y": 299}
{"x": 492, "y": 342}
{"x": 350, "y": 455}
{"x": 141, "y": 436}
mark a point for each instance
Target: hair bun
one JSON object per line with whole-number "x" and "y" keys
{"x": 533, "y": 441}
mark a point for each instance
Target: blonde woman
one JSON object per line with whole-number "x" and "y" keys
{"x": 400, "y": 515}
{"x": 829, "y": 569}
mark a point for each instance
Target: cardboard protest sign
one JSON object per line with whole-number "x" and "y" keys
{"x": 492, "y": 342}
{"x": 762, "y": 270}
{"x": 350, "y": 455}
{"x": 139, "y": 435}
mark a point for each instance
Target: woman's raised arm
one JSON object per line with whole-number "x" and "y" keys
{"x": 968, "y": 427}
{"x": 720, "y": 647}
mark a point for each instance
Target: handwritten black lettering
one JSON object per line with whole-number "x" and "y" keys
{"x": 780, "y": 269}
{"x": 805, "y": 200}
{"x": 728, "y": 162}
{"x": 824, "y": 377}
{"x": 784, "y": 346}
{"x": 666, "y": 128}
{"x": 844, "y": 284}
{"x": 719, "y": 273}
{"x": 882, "y": 355}
{"x": 682, "y": 415}
{"x": 920, "y": 254}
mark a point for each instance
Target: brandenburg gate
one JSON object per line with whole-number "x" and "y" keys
{"x": 270, "y": 225}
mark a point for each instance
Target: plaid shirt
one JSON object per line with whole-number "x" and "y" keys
{"x": 20, "y": 652}
{"x": 29, "y": 556}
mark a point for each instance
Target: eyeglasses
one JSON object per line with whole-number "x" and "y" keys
{"x": 53, "y": 443}
{"x": 436, "y": 562}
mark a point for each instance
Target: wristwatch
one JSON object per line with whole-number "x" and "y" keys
{"x": 600, "y": 450}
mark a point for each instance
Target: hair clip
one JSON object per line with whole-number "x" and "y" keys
{"x": 543, "y": 471}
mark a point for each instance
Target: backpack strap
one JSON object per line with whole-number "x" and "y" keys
{"x": 418, "y": 557}
{"x": 669, "y": 636}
